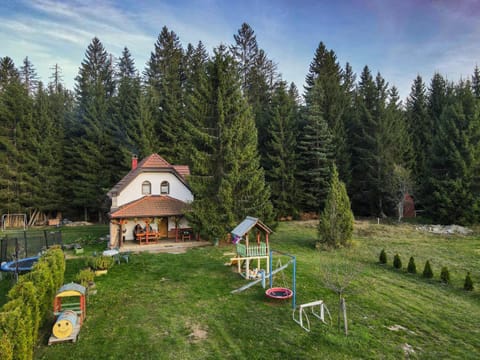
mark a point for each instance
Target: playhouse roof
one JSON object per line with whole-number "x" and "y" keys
{"x": 71, "y": 289}
{"x": 151, "y": 206}
{"x": 246, "y": 225}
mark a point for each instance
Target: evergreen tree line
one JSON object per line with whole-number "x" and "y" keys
{"x": 254, "y": 145}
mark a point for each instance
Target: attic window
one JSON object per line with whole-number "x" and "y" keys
{"x": 146, "y": 188}
{"x": 164, "y": 187}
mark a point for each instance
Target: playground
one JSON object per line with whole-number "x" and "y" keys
{"x": 181, "y": 306}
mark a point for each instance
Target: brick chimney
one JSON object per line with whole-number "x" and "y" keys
{"x": 134, "y": 162}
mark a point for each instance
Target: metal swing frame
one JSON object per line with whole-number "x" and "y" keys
{"x": 318, "y": 305}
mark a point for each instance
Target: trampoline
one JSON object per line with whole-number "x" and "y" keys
{"x": 23, "y": 264}
{"x": 279, "y": 293}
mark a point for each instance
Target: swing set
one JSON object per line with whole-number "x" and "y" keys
{"x": 276, "y": 293}
{"x": 317, "y": 308}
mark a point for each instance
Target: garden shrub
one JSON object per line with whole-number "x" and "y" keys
{"x": 26, "y": 292}
{"x": 16, "y": 322}
{"x": 468, "y": 285}
{"x": 383, "y": 257}
{"x": 29, "y": 306}
{"x": 101, "y": 262}
{"x": 411, "y": 267}
{"x": 6, "y": 348}
{"x": 445, "y": 275}
{"x": 41, "y": 276}
{"x": 427, "y": 270}
{"x": 397, "y": 262}
{"x": 84, "y": 277}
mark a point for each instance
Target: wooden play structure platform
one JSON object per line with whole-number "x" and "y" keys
{"x": 248, "y": 251}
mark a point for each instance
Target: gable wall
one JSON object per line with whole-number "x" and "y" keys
{"x": 133, "y": 191}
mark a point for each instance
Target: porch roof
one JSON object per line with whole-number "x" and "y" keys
{"x": 151, "y": 206}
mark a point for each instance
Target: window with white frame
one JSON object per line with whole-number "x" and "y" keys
{"x": 146, "y": 188}
{"x": 164, "y": 188}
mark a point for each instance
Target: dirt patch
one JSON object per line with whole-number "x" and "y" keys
{"x": 197, "y": 333}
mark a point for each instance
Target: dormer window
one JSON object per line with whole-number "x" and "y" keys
{"x": 164, "y": 188}
{"x": 146, "y": 188}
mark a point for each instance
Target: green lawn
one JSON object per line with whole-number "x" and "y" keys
{"x": 179, "y": 306}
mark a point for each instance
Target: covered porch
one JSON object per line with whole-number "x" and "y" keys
{"x": 150, "y": 220}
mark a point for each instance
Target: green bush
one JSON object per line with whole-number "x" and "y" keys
{"x": 468, "y": 285}
{"x": 16, "y": 321}
{"x": 84, "y": 277}
{"x": 397, "y": 262}
{"x": 411, "y": 267}
{"x": 445, "y": 275}
{"x": 383, "y": 257}
{"x": 29, "y": 306}
{"x": 27, "y": 293}
{"x": 6, "y": 347}
{"x": 427, "y": 271}
{"x": 101, "y": 262}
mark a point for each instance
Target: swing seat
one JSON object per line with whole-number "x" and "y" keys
{"x": 279, "y": 293}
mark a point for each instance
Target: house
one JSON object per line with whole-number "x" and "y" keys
{"x": 150, "y": 202}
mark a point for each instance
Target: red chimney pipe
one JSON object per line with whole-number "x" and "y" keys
{"x": 134, "y": 162}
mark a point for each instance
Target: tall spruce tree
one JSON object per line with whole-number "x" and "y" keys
{"x": 453, "y": 182}
{"x": 420, "y": 127}
{"x": 15, "y": 113}
{"x": 29, "y": 76}
{"x": 227, "y": 180}
{"x": 476, "y": 82}
{"x": 315, "y": 153}
{"x": 165, "y": 75}
{"x": 258, "y": 75}
{"x": 363, "y": 128}
{"x": 93, "y": 157}
{"x": 280, "y": 169}
{"x": 127, "y": 109}
{"x": 325, "y": 69}
{"x": 196, "y": 61}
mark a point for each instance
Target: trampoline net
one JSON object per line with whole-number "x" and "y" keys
{"x": 27, "y": 244}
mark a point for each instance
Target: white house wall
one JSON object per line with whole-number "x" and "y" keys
{"x": 133, "y": 191}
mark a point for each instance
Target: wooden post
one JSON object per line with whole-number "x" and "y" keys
{"x": 147, "y": 224}
{"x": 344, "y": 310}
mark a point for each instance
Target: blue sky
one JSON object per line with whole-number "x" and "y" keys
{"x": 398, "y": 38}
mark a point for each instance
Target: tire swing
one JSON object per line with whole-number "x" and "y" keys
{"x": 282, "y": 293}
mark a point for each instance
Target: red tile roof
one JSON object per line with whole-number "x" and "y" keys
{"x": 152, "y": 163}
{"x": 183, "y": 170}
{"x": 151, "y": 206}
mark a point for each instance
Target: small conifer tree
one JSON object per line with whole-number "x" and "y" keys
{"x": 445, "y": 275}
{"x": 412, "y": 268}
{"x": 383, "y": 257}
{"x": 427, "y": 271}
{"x": 397, "y": 262}
{"x": 468, "y": 285}
{"x": 335, "y": 228}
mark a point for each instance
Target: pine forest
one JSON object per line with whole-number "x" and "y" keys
{"x": 256, "y": 144}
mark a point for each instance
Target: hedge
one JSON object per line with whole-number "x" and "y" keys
{"x": 30, "y": 305}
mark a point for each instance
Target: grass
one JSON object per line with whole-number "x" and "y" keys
{"x": 179, "y": 306}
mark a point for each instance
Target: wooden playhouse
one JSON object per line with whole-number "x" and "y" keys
{"x": 251, "y": 240}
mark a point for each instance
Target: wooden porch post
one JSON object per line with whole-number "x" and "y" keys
{"x": 147, "y": 225}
